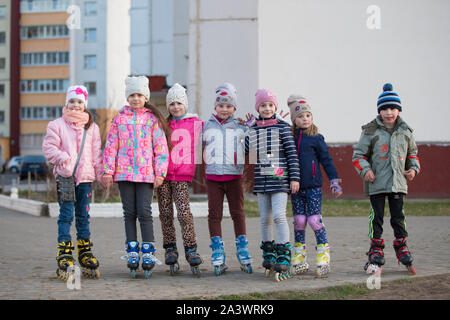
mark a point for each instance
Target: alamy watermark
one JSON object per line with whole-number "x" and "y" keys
{"x": 373, "y": 22}
{"x": 74, "y": 279}
{"x": 374, "y": 280}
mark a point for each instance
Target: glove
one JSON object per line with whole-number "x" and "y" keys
{"x": 335, "y": 186}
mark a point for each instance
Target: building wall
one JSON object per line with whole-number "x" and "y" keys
{"x": 223, "y": 47}
{"x": 151, "y": 46}
{"x": 32, "y": 131}
{"x": 329, "y": 52}
{"x": 324, "y": 50}
{"x": 5, "y": 26}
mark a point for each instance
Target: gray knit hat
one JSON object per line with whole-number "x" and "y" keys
{"x": 137, "y": 85}
{"x": 226, "y": 93}
{"x": 297, "y": 105}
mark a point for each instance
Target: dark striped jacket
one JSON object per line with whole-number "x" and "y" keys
{"x": 272, "y": 150}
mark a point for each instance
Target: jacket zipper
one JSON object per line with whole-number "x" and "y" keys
{"x": 135, "y": 144}
{"x": 314, "y": 168}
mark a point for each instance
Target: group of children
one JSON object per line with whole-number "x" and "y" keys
{"x": 146, "y": 152}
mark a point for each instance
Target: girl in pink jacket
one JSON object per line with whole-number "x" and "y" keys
{"x": 61, "y": 147}
{"x": 185, "y": 133}
{"x": 136, "y": 156}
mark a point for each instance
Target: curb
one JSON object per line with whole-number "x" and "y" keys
{"x": 97, "y": 210}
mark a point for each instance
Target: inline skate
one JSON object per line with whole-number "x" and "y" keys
{"x": 269, "y": 256}
{"x": 65, "y": 260}
{"x": 171, "y": 257}
{"x": 299, "y": 264}
{"x": 132, "y": 257}
{"x": 148, "y": 258}
{"x": 376, "y": 257}
{"x": 322, "y": 260}
{"x": 193, "y": 258}
{"x": 403, "y": 255}
{"x": 89, "y": 264}
{"x": 283, "y": 262}
{"x": 218, "y": 256}
{"x": 242, "y": 254}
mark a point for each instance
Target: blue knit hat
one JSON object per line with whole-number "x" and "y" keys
{"x": 388, "y": 99}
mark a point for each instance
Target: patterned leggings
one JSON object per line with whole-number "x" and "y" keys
{"x": 307, "y": 208}
{"x": 178, "y": 192}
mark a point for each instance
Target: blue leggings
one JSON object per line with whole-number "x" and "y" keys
{"x": 307, "y": 209}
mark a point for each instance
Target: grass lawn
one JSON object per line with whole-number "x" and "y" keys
{"x": 352, "y": 208}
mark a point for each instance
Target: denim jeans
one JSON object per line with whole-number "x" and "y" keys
{"x": 83, "y": 194}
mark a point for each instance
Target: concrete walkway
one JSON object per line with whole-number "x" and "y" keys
{"x": 28, "y": 250}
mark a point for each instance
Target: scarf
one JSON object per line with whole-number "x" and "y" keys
{"x": 78, "y": 118}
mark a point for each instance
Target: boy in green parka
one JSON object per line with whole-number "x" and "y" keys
{"x": 386, "y": 158}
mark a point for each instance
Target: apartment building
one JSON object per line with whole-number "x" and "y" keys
{"x": 67, "y": 42}
{"x": 5, "y": 36}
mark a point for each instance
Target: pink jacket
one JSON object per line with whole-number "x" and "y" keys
{"x": 136, "y": 147}
{"x": 185, "y": 135}
{"x": 62, "y": 144}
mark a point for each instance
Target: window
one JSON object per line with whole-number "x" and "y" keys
{"x": 44, "y": 32}
{"x": 2, "y": 12}
{"x": 91, "y": 88}
{"x": 44, "y": 86}
{"x": 2, "y": 64}
{"x": 44, "y": 58}
{"x": 90, "y": 61}
{"x": 90, "y": 35}
{"x": 40, "y": 113}
{"x": 90, "y": 8}
{"x": 2, "y": 37}
{"x": 2, "y": 90}
{"x": 28, "y": 6}
{"x": 31, "y": 140}
{"x": 2, "y": 116}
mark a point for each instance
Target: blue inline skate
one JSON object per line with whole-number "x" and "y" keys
{"x": 269, "y": 256}
{"x": 148, "y": 258}
{"x": 218, "y": 256}
{"x": 132, "y": 257}
{"x": 242, "y": 254}
{"x": 283, "y": 263}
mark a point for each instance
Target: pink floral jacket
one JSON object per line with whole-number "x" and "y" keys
{"x": 136, "y": 147}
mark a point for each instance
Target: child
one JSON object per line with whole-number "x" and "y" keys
{"x": 386, "y": 157}
{"x": 185, "y": 133}
{"x": 73, "y": 145}
{"x": 136, "y": 156}
{"x": 224, "y": 158}
{"x": 307, "y": 203}
{"x": 276, "y": 175}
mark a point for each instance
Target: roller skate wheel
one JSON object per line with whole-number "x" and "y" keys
{"x": 133, "y": 274}
{"x": 372, "y": 269}
{"x": 147, "y": 274}
{"x": 300, "y": 268}
{"x": 411, "y": 269}
{"x": 217, "y": 270}
{"x": 322, "y": 271}
{"x": 174, "y": 268}
{"x": 268, "y": 272}
{"x": 196, "y": 271}
{"x": 277, "y": 277}
{"x": 247, "y": 268}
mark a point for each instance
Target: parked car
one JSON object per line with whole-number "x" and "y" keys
{"x": 33, "y": 164}
{"x": 14, "y": 164}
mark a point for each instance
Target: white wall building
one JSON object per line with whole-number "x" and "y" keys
{"x": 159, "y": 38}
{"x": 338, "y": 54}
{"x": 99, "y": 52}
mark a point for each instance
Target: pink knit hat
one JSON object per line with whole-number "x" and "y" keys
{"x": 265, "y": 95}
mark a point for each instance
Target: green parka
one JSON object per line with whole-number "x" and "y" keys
{"x": 387, "y": 154}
